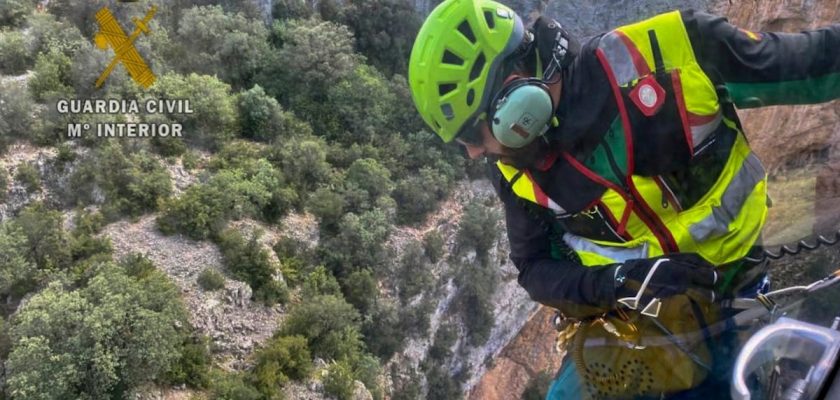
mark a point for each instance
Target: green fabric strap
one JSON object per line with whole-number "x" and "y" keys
{"x": 808, "y": 91}
{"x": 599, "y": 161}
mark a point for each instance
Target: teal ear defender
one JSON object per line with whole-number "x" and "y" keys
{"x": 523, "y": 110}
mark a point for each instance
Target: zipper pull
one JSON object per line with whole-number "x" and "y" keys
{"x": 664, "y": 200}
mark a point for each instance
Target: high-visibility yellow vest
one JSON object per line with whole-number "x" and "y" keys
{"x": 721, "y": 226}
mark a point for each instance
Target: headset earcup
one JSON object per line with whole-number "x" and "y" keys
{"x": 522, "y": 114}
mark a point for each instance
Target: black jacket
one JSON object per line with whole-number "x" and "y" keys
{"x": 779, "y": 68}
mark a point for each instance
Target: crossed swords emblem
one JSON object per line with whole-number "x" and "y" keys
{"x": 112, "y": 35}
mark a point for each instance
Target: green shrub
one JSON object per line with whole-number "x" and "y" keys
{"x": 477, "y": 282}
{"x": 442, "y": 385}
{"x": 249, "y": 261}
{"x": 382, "y": 331}
{"x": 87, "y": 222}
{"x": 210, "y": 280}
{"x": 16, "y": 116}
{"x": 330, "y": 325}
{"x": 416, "y": 319}
{"x": 320, "y": 282}
{"x": 52, "y": 76}
{"x": 232, "y": 386}
{"x": 479, "y": 229}
{"x": 29, "y": 177}
{"x": 133, "y": 183}
{"x": 445, "y": 338}
{"x": 48, "y": 34}
{"x": 282, "y": 358}
{"x": 18, "y": 274}
{"x": 433, "y": 246}
{"x": 14, "y": 56}
{"x": 360, "y": 243}
{"x": 14, "y": 12}
{"x": 214, "y": 118}
{"x": 260, "y": 116}
{"x": 190, "y": 160}
{"x": 339, "y": 381}
{"x": 193, "y": 365}
{"x": 360, "y": 289}
{"x": 47, "y": 244}
{"x": 224, "y": 44}
{"x": 418, "y": 195}
{"x": 200, "y": 212}
{"x": 370, "y": 176}
{"x": 414, "y": 276}
{"x": 62, "y": 334}
{"x": 290, "y": 9}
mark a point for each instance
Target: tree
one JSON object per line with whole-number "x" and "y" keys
{"x": 15, "y": 58}
{"x": 368, "y": 175}
{"x": 227, "y": 45}
{"x": 320, "y": 282}
{"x": 249, "y": 261}
{"x": 18, "y": 275}
{"x": 478, "y": 229}
{"x": 330, "y": 326}
{"x": 360, "y": 243}
{"x": 290, "y": 9}
{"x": 414, "y": 276}
{"x": 47, "y": 245}
{"x": 363, "y": 105}
{"x": 99, "y": 341}
{"x": 261, "y": 116}
{"x": 315, "y": 54}
{"x": 384, "y": 30}
{"x": 303, "y": 160}
{"x": 16, "y": 116}
{"x": 360, "y": 289}
{"x": 14, "y": 12}
{"x": 52, "y": 76}
{"x": 282, "y": 358}
{"x": 47, "y": 34}
{"x": 214, "y": 118}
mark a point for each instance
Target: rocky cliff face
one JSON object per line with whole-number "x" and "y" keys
{"x": 800, "y": 135}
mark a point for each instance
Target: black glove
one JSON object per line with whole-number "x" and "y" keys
{"x": 666, "y": 276}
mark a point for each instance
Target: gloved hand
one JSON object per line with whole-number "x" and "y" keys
{"x": 639, "y": 282}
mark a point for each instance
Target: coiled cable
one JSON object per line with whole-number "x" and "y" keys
{"x": 798, "y": 247}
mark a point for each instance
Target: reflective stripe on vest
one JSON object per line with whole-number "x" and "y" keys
{"x": 724, "y": 224}
{"x": 594, "y": 253}
{"x": 732, "y": 201}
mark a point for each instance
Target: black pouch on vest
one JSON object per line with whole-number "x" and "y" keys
{"x": 656, "y": 111}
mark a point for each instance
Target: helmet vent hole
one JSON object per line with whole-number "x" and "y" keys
{"x": 451, "y": 58}
{"x": 477, "y": 67}
{"x": 470, "y": 97}
{"x": 446, "y": 109}
{"x": 488, "y": 17}
{"x": 445, "y": 88}
{"x": 465, "y": 30}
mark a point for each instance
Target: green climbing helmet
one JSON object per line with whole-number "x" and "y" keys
{"x": 459, "y": 60}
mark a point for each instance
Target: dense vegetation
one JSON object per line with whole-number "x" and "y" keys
{"x": 307, "y": 112}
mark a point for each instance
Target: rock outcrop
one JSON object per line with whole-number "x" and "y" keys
{"x": 529, "y": 353}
